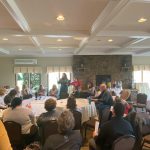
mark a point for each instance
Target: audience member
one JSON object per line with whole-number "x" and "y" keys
{"x": 4, "y": 140}
{"x": 51, "y": 114}
{"x": 23, "y": 116}
{"x": 104, "y": 99}
{"x": 18, "y": 91}
{"x": 67, "y": 138}
{"x": 72, "y": 106}
{"x": 2, "y": 95}
{"x": 91, "y": 88}
{"x": 25, "y": 92}
{"x": 53, "y": 91}
{"x": 41, "y": 91}
{"x": 112, "y": 129}
{"x": 125, "y": 96}
{"x": 10, "y": 96}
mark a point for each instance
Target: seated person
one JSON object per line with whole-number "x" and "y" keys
{"x": 66, "y": 138}
{"x": 18, "y": 91}
{"x": 71, "y": 105}
{"x": 112, "y": 129}
{"x": 2, "y": 95}
{"x": 51, "y": 114}
{"x": 91, "y": 89}
{"x": 41, "y": 91}
{"x": 53, "y": 91}
{"x": 25, "y": 92}
{"x": 23, "y": 116}
{"x": 4, "y": 142}
{"x": 125, "y": 95}
{"x": 9, "y": 97}
{"x": 104, "y": 100}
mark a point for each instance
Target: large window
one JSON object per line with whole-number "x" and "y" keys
{"x": 32, "y": 80}
{"x": 137, "y": 76}
{"x": 54, "y": 77}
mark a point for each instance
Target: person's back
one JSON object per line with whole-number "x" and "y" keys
{"x": 114, "y": 128}
{"x": 20, "y": 115}
{"x": 67, "y": 138}
{"x": 111, "y": 130}
{"x": 71, "y": 141}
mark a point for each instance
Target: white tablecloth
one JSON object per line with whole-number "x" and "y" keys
{"x": 87, "y": 110}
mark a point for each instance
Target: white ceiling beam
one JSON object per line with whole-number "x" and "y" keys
{"x": 17, "y": 15}
{"x": 109, "y": 13}
{"x": 143, "y": 51}
{"x": 102, "y": 46}
{"x": 4, "y": 51}
{"x": 129, "y": 34}
{"x": 140, "y": 1}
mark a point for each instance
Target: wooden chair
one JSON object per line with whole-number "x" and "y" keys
{"x": 125, "y": 142}
{"x": 48, "y": 128}
{"x": 146, "y": 141}
{"x": 14, "y": 133}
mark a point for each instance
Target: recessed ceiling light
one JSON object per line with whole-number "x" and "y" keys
{"x": 78, "y": 38}
{"x": 59, "y": 40}
{"x": 59, "y": 49}
{"x": 20, "y": 49}
{"x": 110, "y": 40}
{"x": 5, "y": 39}
{"x": 60, "y": 18}
{"x": 141, "y": 20}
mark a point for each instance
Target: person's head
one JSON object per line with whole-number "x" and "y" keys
{"x": 17, "y": 101}
{"x": 54, "y": 87}
{"x": 71, "y": 102}
{"x": 50, "y": 104}
{"x": 17, "y": 88}
{"x": 125, "y": 94}
{"x": 66, "y": 122}
{"x": 103, "y": 87}
{"x": 118, "y": 109}
{"x": 41, "y": 87}
{"x": 64, "y": 76}
{"x": 24, "y": 86}
{"x": 13, "y": 93}
{"x": 2, "y": 91}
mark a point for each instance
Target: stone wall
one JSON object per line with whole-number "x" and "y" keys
{"x": 118, "y": 66}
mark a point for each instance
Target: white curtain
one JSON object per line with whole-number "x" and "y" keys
{"x": 59, "y": 69}
{"x": 27, "y": 69}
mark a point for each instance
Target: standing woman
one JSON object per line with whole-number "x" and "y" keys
{"x": 64, "y": 86}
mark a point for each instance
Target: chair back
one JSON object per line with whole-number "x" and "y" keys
{"x": 78, "y": 117}
{"x": 14, "y": 132}
{"x": 125, "y": 142}
{"x": 142, "y": 98}
{"x": 106, "y": 115}
{"x": 48, "y": 128}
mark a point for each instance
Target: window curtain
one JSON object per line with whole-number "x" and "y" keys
{"x": 27, "y": 69}
{"x": 59, "y": 69}
{"x": 143, "y": 87}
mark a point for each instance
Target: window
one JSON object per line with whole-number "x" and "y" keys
{"x": 32, "y": 80}
{"x": 54, "y": 77}
{"x": 137, "y": 76}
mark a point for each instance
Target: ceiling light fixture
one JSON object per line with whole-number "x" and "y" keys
{"x": 59, "y": 49}
{"x": 20, "y": 49}
{"x": 5, "y": 39}
{"x": 141, "y": 20}
{"x": 60, "y": 18}
{"x": 59, "y": 40}
{"x": 110, "y": 40}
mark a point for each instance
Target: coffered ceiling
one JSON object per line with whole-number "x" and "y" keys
{"x": 30, "y": 28}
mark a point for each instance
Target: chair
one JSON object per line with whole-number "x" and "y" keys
{"x": 146, "y": 141}
{"x": 78, "y": 117}
{"x": 106, "y": 115}
{"x": 125, "y": 142}
{"x": 48, "y": 128}
{"x": 14, "y": 133}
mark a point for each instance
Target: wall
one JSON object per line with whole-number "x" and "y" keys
{"x": 103, "y": 65}
{"x": 141, "y": 60}
{"x": 7, "y": 76}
